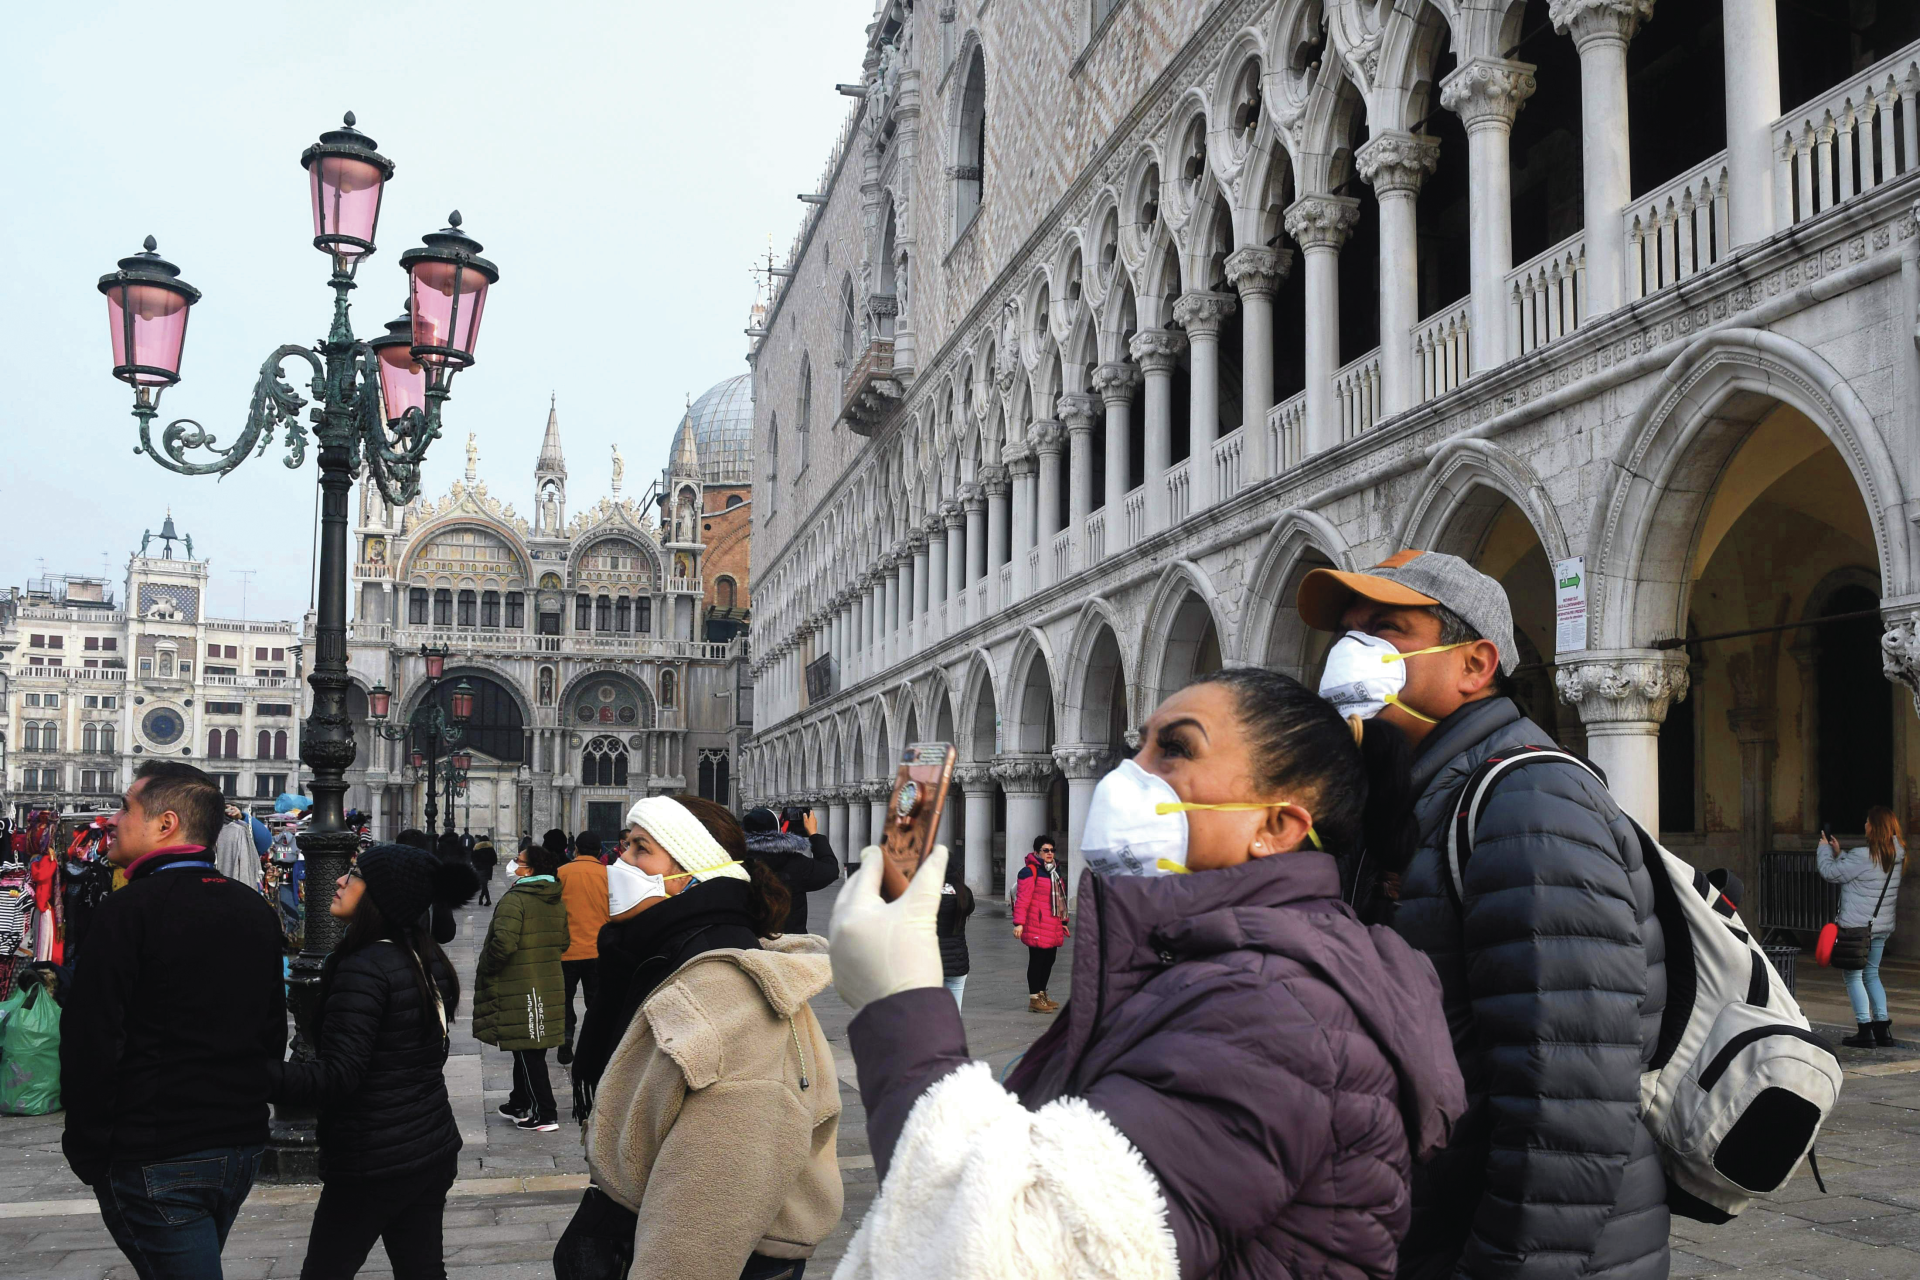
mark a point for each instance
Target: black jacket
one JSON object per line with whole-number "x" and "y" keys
{"x": 1553, "y": 980}
{"x": 950, "y": 926}
{"x": 176, "y": 1015}
{"x": 380, "y": 1081}
{"x": 803, "y": 863}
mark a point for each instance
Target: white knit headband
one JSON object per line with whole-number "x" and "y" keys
{"x": 684, "y": 837}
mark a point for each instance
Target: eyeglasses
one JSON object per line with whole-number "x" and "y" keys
{"x": 353, "y": 873}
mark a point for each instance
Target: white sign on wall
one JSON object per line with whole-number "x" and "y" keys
{"x": 1570, "y": 604}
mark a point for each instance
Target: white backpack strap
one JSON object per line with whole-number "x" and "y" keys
{"x": 1472, "y": 798}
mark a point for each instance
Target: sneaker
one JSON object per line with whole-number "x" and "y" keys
{"x": 507, "y": 1110}
{"x": 533, "y": 1125}
{"x": 566, "y": 1054}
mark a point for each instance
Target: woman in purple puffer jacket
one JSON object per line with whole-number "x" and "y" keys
{"x": 1244, "y": 1073}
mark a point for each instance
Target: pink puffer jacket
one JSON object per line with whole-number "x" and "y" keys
{"x": 1033, "y": 905}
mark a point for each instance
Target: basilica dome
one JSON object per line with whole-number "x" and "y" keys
{"x": 722, "y": 424}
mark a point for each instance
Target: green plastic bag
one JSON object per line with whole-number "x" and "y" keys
{"x": 30, "y": 1056}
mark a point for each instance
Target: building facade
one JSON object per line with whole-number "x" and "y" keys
{"x": 92, "y": 688}
{"x": 605, "y": 647}
{"x": 1111, "y": 319}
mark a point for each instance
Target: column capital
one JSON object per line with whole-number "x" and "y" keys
{"x": 1201, "y": 313}
{"x": 1018, "y": 456}
{"x": 994, "y": 481}
{"x": 1115, "y": 382}
{"x": 917, "y": 542}
{"x": 952, "y": 515}
{"x": 1900, "y": 650}
{"x": 875, "y": 789}
{"x": 1623, "y": 686}
{"x": 1079, "y": 410}
{"x": 1591, "y": 20}
{"x": 1047, "y": 436}
{"x": 1258, "y": 269}
{"x": 1024, "y": 774}
{"x": 1487, "y": 92}
{"x": 1322, "y": 222}
{"x": 1157, "y": 350}
{"x": 1082, "y": 760}
{"x": 972, "y": 497}
{"x": 1397, "y": 162}
{"x": 973, "y": 775}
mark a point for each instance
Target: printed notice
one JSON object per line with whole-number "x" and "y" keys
{"x": 1570, "y": 604}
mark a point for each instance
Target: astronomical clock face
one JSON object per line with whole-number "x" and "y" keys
{"x": 606, "y": 702}
{"x": 163, "y": 726}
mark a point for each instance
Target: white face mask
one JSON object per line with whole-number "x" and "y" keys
{"x": 1365, "y": 673}
{"x": 1125, "y": 835}
{"x": 628, "y": 886}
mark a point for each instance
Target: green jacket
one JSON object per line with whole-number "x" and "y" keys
{"x": 518, "y": 997}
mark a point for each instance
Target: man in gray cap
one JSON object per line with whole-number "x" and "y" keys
{"x": 1552, "y": 965}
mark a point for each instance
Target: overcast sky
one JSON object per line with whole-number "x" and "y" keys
{"x": 623, "y": 164}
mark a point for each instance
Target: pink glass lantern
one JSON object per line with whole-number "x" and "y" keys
{"x": 403, "y": 382}
{"x": 462, "y": 761}
{"x": 346, "y": 176}
{"x": 417, "y": 759}
{"x": 379, "y": 701}
{"x": 436, "y": 662}
{"x": 462, "y": 702}
{"x": 147, "y": 307}
{"x": 448, "y": 283}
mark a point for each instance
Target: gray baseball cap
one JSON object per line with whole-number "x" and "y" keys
{"x": 1415, "y": 578}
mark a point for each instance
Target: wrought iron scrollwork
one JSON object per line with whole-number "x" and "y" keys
{"x": 393, "y": 455}
{"x": 275, "y": 404}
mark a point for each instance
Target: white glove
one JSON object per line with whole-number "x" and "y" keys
{"x": 883, "y": 948}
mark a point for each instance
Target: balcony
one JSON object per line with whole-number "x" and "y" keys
{"x": 1136, "y": 509}
{"x": 1677, "y": 230}
{"x": 1846, "y": 142}
{"x": 1179, "y": 491}
{"x": 1443, "y": 350}
{"x": 870, "y": 390}
{"x": 61, "y": 675}
{"x": 1356, "y": 390}
{"x": 1229, "y": 464}
{"x": 250, "y": 682}
{"x": 1547, "y": 296}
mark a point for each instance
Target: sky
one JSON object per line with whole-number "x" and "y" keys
{"x": 624, "y": 165}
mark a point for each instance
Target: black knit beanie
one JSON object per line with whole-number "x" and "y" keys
{"x": 400, "y": 878}
{"x": 759, "y": 821}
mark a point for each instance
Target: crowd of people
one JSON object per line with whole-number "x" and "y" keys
{"x": 1294, "y": 1044}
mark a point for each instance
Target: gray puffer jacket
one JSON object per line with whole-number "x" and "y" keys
{"x": 1554, "y": 979}
{"x": 1861, "y": 883}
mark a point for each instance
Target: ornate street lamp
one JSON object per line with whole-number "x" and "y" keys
{"x": 147, "y": 307}
{"x": 462, "y": 704}
{"x": 431, "y": 727}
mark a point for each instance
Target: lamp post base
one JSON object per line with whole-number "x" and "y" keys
{"x": 293, "y": 1151}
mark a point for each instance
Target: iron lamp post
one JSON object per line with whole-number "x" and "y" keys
{"x": 431, "y": 727}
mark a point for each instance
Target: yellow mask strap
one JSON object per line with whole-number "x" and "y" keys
{"x": 682, "y": 875}
{"x": 1438, "y": 648}
{"x": 1238, "y": 806}
{"x": 1394, "y": 699}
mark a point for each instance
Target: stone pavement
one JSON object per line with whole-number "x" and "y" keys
{"x": 517, "y": 1190}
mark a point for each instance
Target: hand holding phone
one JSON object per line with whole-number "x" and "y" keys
{"x": 913, "y": 814}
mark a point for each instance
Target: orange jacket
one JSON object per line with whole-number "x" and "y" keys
{"x": 583, "y": 889}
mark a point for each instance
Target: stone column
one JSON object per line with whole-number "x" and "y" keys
{"x": 877, "y": 791}
{"x": 890, "y": 612}
{"x": 1622, "y": 696}
{"x": 936, "y": 587}
{"x": 1200, "y": 314}
{"x": 1021, "y": 465}
{"x": 1395, "y": 164}
{"x": 1049, "y": 440}
{"x": 997, "y": 482}
{"x": 1486, "y": 94}
{"x": 1257, "y": 272}
{"x": 1601, "y": 29}
{"x": 1115, "y": 383}
{"x": 857, "y": 613}
{"x": 1157, "y": 351}
{"x": 954, "y": 517}
{"x": 837, "y": 824}
{"x": 973, "y": 499}
{"x": 1025, "y": 779}
{"x": 1084, "y": 764}
{"x": 1322, "y": 224}
{"x": 1078, "y": 410}
{"x": 976, "y": 779}
{"x": 858, "y": 837}
{"x": 1751, "y": 40}
{"x": 922, "y": 579}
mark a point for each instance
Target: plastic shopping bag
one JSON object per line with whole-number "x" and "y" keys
{"x": 30, "y": 1056}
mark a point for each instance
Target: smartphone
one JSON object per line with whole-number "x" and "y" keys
{"x": 913, "y": 815}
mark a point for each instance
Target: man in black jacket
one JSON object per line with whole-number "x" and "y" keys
{"x": 1552, "y": 968}
{"x": 176, "y": 1018}
{"x": 800, "y": 856}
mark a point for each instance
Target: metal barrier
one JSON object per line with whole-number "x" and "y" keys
{"x": 1785, "y": 961}
{"x": 1794, "y": 896}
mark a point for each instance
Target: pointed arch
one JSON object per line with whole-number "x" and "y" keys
{"x": 1299, "y": 542}
{"x": 1184, "y": 611}
{"x": 1448, "y": 486}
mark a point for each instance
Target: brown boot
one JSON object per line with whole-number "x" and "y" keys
{"x": 1046, "y": 1003}
{"x": 1034, "y": 1005}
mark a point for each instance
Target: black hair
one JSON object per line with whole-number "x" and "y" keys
{"x": 555, "y": 839}
{"x": 543, "y": 860}
{"x": 1302, "y": 747}
{"x": 369, "y": 925}
{"x": 587, "y": 846}
{"x": 1455, "y": 629}
{"x": 415, "y": 838}
{"x": 190, "y": 794}
{"x": 768, "y": 898}
{"x": 1042, "y": 839}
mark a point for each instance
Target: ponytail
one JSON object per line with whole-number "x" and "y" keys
{"x": 768, "y": 900}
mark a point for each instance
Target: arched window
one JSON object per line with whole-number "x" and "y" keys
{"x": 106, "y": 739}
{"x": 516, "y": 611}
{"x": 733, "y": 500}
{"x": 232, "y": 744}
{"x": 583, "y": 612}
{"x": 213, "y": 744}
{"x": 803, "y": 415}
{"x": 724, "y": 592}
{"x": 603, "y": 763}
{"x": 442, "y": 607}
{"x": 603, "y": 614}
{"x": 623, "y": 614}
{"x": 490, "y": 608}
{"x": 668, "y": 683}
{"x": 469, "y": 609}
{"x": 417, "y": 607}
{"x": 773, "y": 463}
{"x": 90, "y": 739}
{"x": 849, "y": 330}
{"x": 969, "y": 173}
{"x": 280, "y": 744}
{"x": 643, "y": 615}
{"x": 263, "y": 746}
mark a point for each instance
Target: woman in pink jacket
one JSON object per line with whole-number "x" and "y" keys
{"x": 1040, "y": 919}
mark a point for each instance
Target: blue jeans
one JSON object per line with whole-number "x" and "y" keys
{"x": 958, "y": 986}
{"x": 1863, "y": 985}
{"x": 170, "y": 1217}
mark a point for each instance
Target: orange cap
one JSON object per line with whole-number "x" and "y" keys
{"x": 1325, "y": 594}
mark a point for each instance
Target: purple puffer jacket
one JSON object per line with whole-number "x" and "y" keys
{"x": 1277, "y": 1063}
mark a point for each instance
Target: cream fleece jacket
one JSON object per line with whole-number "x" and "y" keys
{"x": 717, "y": 1117}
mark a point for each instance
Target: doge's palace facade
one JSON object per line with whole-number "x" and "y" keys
{"x": 1110, "y": 320}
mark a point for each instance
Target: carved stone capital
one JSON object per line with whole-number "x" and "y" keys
{"x": 1487, "y": 92}
{"x": 1082, "y": 760}
{"x": 875, "y": 790}
{"x": 1115, "y": 382}
{"x": 952, "y": 515}
{"x": 1018, "y": 455}
{"x": 1201, "y": 313}
{"x": 1028, "y": 775}
{"x": 1047, "y": 437}
{"x": 1080, "y": 411}
{"x": 973, "y": 775}
{"x": 994, "y": 481}
{"x": 1614, "y": 21}
{"x": 1257, "y": 269}
{"x": 917, "y": 542}
{"x": 1157, "y": 350}
{"x": 1627, "y": 686}
{"x": 1322, "y": 222}
{"x": 1900, "y": 653}
{"x": 1397, "y": 162}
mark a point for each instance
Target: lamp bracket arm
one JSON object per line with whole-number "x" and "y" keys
{"x": 393, "y": 456}
{"x": 275, "y": 404}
